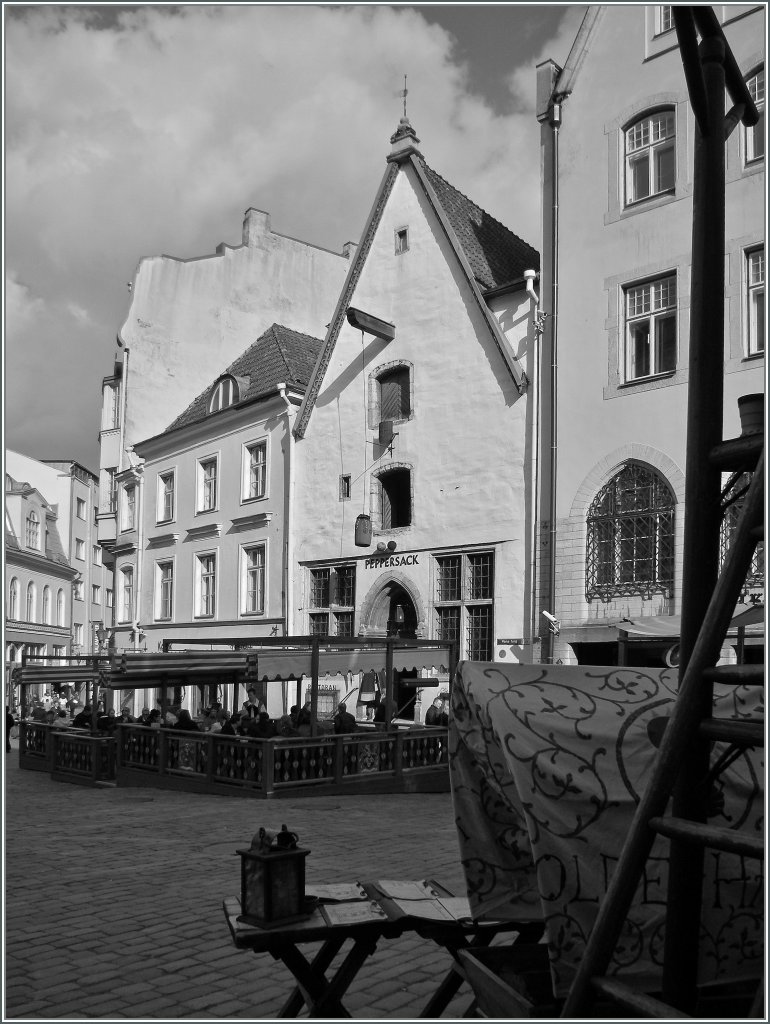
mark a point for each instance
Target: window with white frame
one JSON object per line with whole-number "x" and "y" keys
{"x": 166, "y": 496}
{"x": 60, "y": 610}
{"x": 46, "y": 615}
{"x": 650, "y": 346}
{"x": 13, "y": 599}
{"x": 112, "y": 489}
{"x": 77, "y": 590}
{"x": 464, "y": 602}
{"x": 255, "y": 470}
{"x": 33, "y": 531}
{"x": 754, "y": 136}
{"x": 207, "y": 485}
{"x": 223, "y": 394}
{"x": 77, "y": 633}
{"x": 755, "y": 294}
{"x": 164, "y": 590}
{"x": 80, "y": 508}
{"x": 206, "y": 585}
{"x": 97, "y": 554}
{"x": 253, "y": 580}
{"x": 127, "y": 594}
{"x": 80, "y": 549}
{"x": 332, "y": 599}
{"x": 31, "y": 602}
{"x": 128, "y": 520}
{"x": 650, "y": 156}
{"x": 96, "y": 593}
{"x": 664, "y": 18}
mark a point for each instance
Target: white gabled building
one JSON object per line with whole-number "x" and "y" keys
{"x": 431, "y": 342}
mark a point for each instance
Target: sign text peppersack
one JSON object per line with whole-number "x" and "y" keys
{"x": 382, "y": 561}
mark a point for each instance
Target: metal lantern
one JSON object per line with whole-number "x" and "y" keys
{"x": 273, "y": 879}
{"x": 363, "y": 535}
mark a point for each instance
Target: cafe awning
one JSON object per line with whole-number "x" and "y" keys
{"x": 650, "y": 627}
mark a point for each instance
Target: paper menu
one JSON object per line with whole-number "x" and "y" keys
{"x": 359, "y": 912}
{"x": 336, "y": 892}
{"x": 406, "y": 890}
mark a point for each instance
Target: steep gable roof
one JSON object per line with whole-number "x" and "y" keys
{"x": 496, "y": 255}
{"x": 279, "y": 356}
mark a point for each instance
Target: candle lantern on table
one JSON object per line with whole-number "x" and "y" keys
{"x": 273, "y": 879}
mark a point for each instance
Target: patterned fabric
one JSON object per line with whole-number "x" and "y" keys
{"x": 547, "y": 764}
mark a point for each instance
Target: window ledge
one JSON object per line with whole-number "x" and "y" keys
{"x": 206, "y": 530}
{"x": 159, "y": 539}
{"x": 646, "y": 380}
{"x": 251, "y": 521}
{"x": 126, "y": 547}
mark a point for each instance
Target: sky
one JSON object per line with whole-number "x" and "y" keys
{"x": 132, "y": 131}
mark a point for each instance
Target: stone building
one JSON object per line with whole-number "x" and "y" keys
{"x": 617, "y": 163}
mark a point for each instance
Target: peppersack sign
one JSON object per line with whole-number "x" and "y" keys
{"x": 386, "y": 561}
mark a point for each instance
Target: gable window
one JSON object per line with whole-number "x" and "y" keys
{"x": 630, "y": 536}
{"x": 13, "y": 599}
{"x": 206, "y": 570}
{"x": 255, "y": 471}
{"x": 164, "y": 590}
{"x": 664, "y": 19}
{"x": 128, "y": 517}
{"x": 650, "y": 328}
{"x": 650, "y": 156}
{"x": 402, "y": 240}
{"x": 60, "y": 608}
{"x": 253, "y": 580}
{"x": 81, "y": 508}
{"x": 80, "y": 549}
{"x": 207, "y": 485}
{"x": 755, "y": 135}
{"x": 31, "y": 602}
{"x": 464, "y": 603}
{"x": 166, "y": 496}
{"x": 46, "y": 616}
{"x": 223, "y": 394}
{"x": 755, "y": 293}
{"x": 33, "y": 531}
{"x": 393, "y": 497}
{"x": 127, "y": 594}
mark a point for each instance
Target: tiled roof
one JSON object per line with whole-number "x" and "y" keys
{"x": 497, "y": 256}
{"x": 279, "y": 356}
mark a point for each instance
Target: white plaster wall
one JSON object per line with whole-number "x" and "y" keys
{"x": 189, "y": 319}
{"x": 465, "y": 442}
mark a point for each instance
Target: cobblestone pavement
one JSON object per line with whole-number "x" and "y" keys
{"x": 114, "y": 898}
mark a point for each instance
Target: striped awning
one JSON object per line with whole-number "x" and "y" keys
{"x": 55, "y": 675}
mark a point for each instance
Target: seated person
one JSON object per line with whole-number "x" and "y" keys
{"x": 343, "y": 720}
{"x": 303, "y": 719}
{"x": 125, "y": 716}
{"x": 230, "y": 725}
{"x": 153, "y": 719}
{"x": 286, "y": 727}
{"x": 144, "y": 718}
{"x": 265, "y": 727}
{"x": 436, "y": 713}
{"x": 184, "y": 722}
{"x": 82, "y": 719}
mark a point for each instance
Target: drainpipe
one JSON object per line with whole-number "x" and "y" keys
{"x": 289, "y": 545}
{"x": 549, "y": 597}
{"x": 534, "y": 372}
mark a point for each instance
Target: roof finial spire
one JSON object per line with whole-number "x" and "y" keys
{"x": 405, "y": 92}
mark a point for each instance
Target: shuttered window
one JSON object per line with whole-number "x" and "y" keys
{"x": 394, "y": 394}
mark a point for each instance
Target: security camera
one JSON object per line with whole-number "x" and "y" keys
{"x": 553, "y": 623}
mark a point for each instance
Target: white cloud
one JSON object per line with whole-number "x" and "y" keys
{"x": 22, "y": 308}
{"x": 154, "y": 135}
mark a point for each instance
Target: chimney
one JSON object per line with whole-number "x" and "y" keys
{"x": 349, "y": 249}
{"x": 256, "y": 224}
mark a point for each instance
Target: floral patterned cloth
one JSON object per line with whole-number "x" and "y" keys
{"x": 547, "y": 764}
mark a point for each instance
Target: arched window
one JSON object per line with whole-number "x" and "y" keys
{"x": 630, "y": 542}
{"x": 33, "y": 531}
{"x": 223, "y": 394}
{"x": 650, "y": 155}
{"x": 60, "y": 608}
{"x": 755, "y": 135}
{"x": 13, "y": 599}
{"x": 46, "y": 616}
{"x": 31, "y": 601}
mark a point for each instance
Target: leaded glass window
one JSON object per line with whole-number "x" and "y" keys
{"x": 732, "y": 506}
{"x": 630, "y": 542}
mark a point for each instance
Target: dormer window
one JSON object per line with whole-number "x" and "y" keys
{"x": 33, "y": 531}
{"x": 223, "y": 394}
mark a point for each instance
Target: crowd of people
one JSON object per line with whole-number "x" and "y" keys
{"x": 250, "y": 720}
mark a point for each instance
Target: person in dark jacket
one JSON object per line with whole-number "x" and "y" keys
{"x": 184, "y": 722}
{"x": 9, "y": 724}
{"x": 343, "y": 720}
{"x": 82, "y": 719}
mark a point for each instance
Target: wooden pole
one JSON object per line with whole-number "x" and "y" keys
{"x": 388, "y": 684}
{"x": 315, "y": 661}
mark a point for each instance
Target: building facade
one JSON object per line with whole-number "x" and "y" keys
{"x": 39, "y": 580}
{"x": 617, "y": 158}
{"x": 412, "y": 488}
{"x": 73, "y": 491}
{"x": 187, "y": 318}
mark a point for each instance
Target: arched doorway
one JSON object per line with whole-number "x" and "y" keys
{"x": 392, "y": 612}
